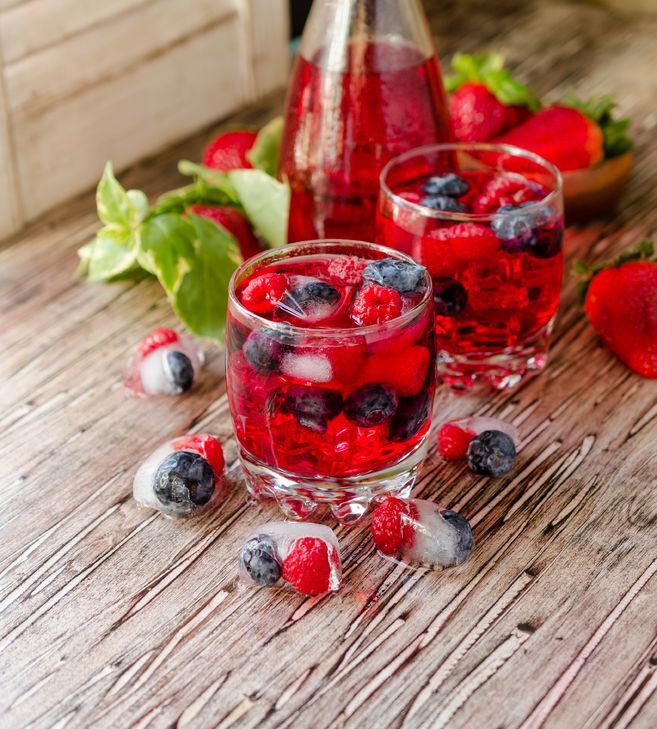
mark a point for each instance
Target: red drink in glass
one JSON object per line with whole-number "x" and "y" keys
{"x": 330, "y": 375}
{"x": 493, "y": 247}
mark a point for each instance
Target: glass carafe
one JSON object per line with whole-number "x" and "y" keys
{"x": 366, "y": 86}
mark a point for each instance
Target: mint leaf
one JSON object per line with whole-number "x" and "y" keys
{"x": 264, "y": 153}
{"x": 193, "y": 259}
{"x": 266, "y": 202}
{"x": 114, "y": 205}
{"x": 112, "y": 253}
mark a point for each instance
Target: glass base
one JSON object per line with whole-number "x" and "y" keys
{"x": 347, "y": 498}
{"x": 494, "y": 370}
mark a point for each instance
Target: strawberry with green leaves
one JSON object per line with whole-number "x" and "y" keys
{"x": 620, "y": 300}
{"x": 485, "y": 99}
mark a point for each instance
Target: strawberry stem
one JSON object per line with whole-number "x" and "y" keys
{"x": 601, "y": 111}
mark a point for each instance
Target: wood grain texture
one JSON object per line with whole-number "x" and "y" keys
{"x": 112, "y": 616}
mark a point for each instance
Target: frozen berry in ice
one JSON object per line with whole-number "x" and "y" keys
{"x": 262, "y": 294}
{"x": 313, "y": 407}
{"x": 403, "y": 276}
{"x": 464, "y": 541}
{"x": 491, "y": 453}
{"x": 307, "y": 566}
{"x": 179, "y": 371}
{"x": 375, "y": 304}
{"x": 447, "y": 184}
{"x": 264, "y": 349}
{"x": 412, "y": 413}
{"x": 443, "y": 203}
{"x": 386, "y": 527}
{"x": 311, "y": 301}
{"x": 183, "y": 482}
{"x": 453, "y": 441}
{"x": 156, "y": 339}
{"x": 258, "y": 559}
{"x": 449, "y": 296}
{"x": 371, "y": 405}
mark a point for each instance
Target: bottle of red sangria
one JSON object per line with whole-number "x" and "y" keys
{"x": 366, "y": 86}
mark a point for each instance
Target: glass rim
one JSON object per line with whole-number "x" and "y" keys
{"x": 323, "y": 243}
{"x": 479, "y": 147}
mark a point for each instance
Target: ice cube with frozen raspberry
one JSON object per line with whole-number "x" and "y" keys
{"x": 165, "y": 363}
{"x": 306, "y": 556}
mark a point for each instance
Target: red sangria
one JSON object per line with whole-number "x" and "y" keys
{"x": 330, "y": 374}
{"x": 487, "y": 223}
{"x": 372, "y": 91}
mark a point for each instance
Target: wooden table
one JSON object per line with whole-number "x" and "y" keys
{"x": 113, "y": 616}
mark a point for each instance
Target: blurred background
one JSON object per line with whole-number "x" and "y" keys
{"x": 84, "y": 82}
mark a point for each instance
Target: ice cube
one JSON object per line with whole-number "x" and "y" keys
{"x": 309, "y": 366}
{"x": 182, "y": 477}
{"x": 164, "y": 364}
{"x": 421, "y": 532}
{"x": 312, "y": 300}
{"x": 305, "y": 555}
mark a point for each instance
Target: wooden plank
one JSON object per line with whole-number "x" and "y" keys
{"x": 109, "y": 50}
{"x": 63, "y": 148}
{"x": 11, "y": 209}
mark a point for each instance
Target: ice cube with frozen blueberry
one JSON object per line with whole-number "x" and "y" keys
{"x": 306, "y": 556}
{"x": 165, "y": 363}
{"x": 182, "y": 477}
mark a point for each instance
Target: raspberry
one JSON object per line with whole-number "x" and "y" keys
{"x": 307, "y": 567}
{"x": 387, "y": 529}
{"x": 453, "y": 442}
{"x": 435, "y": 254}
{"x": 346, "y": 270}
{"x": 468, "y": 241}
{"x": 262, "y": 294}
{"x": 376, "y": 304}
{"x": 404, "y": 371}
{"x": 502, "y": 191}
{"x": 157, "y": 339}
{"x": 206, "y": 446}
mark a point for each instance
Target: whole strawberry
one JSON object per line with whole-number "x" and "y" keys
{"x": 234, "y": 222}
{"x": 621, "y": 304}
{"x": 227, "y": 151}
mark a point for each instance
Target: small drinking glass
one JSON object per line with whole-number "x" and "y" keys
{"x": 330, "y": 374}
{"x": 487, "y": 222}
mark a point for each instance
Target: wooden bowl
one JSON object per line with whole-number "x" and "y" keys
{"x": 595, "y": 190}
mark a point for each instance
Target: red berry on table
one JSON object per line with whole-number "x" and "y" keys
{"x": 263, "y": 293}
{"x": 307, "y": 566}
{"x": 234, "y": 222}
{"x": 227, "y": 151}
{"x": 453, "y": 441}
{"x": 621, "y": 304}
{"x": 387, "y": 527}
{"x": 376, "y": 304}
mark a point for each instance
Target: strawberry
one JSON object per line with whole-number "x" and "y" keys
{"x": 157, "y": 339}
{"x": 562, "y": 135}
{"x": 485, "y": 99}
{"x": 207, "y": 446}
{"x": 234, "y": 222}
{"x": 621, "y": 304}
{"x": 227, "y": 151}
{"x": 307, "y": 566}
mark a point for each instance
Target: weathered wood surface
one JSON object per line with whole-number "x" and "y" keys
{"x": 112, "y": 616}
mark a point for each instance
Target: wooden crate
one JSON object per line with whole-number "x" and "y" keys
{"x": 83, "y": 82}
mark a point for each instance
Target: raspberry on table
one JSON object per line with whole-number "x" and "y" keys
{"x": 387, "y": 528}
{"x": 263, "y": 293}
{"x": 307, "y": 566}
{"x": 453, "y": 442}
{"x": 157, "y": 339}
{"x": 375, "y": 304}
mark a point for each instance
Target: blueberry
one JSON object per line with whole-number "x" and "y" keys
{"x": 312, "y": 407}
{"x": 411, "y": 415}
{"x": 402, "y": 276}
{"x": 448, "y": 184}
{"x": 465, "y": 541}
{"x": 449, "y": 296}
{"x": 516, "y": 232}
{"x": 259, "y": 560}
{"x": 183, "y": 482}
{"x": 491, "y": 453}
{"x": 264, "y": 349}
{"x": 547, "y": 244}
{"x": 444, "y": 203}
{"x": 371, "y": 405}
{"x": 179, "y": 371}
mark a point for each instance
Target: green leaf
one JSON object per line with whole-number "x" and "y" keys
{"x": 115, "y": 206}
{"x": 264, "y": 153}
{"x": 509, "y": 91}
{"x": 193, "y": 259}
{"x": 266, "y": 202}
{"x": 139, "y": 202}
{"x": 112, "y": 253}
{"x": 218, "y": 181}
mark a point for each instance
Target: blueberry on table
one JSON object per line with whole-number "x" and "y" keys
{"x": 313, "y": 407}
{"x": 412, "y": 413}
{"x": 443, "y": 203}
{"x": 179, "y": 371}
{"x": 447, "y": 184}
{"x": 263, "y": 350}
{"x": 491, "y": 453}
{"x": 465, "y": 540}
{"x": 449, "y": 296}
{"x": 371, "y": 405}
{"x": 183, "y": 482}
{"x": 403, "y": 276}
{"x": 258, "y": 559}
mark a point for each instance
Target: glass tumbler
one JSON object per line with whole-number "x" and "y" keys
{"x": 330, "y": 374}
